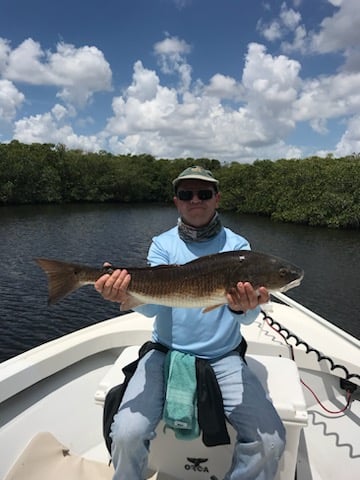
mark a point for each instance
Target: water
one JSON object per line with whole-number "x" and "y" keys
{"x": 121, "y": 234}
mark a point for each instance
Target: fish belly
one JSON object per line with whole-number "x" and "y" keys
{"x": 183, "y": 300}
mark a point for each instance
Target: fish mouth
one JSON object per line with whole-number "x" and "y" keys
{"x": 294, "y": 283}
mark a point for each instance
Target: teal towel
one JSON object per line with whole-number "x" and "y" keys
{"x": 180, "y": 408}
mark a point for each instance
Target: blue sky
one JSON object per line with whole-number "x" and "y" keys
{"x": 235, "y": 80}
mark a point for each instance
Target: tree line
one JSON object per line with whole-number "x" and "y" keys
{"x": 314, "y": 191}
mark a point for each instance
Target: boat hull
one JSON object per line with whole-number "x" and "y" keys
{"x": 59, "y": 386}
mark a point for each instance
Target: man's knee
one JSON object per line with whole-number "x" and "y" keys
{"x": 130, "y": 432}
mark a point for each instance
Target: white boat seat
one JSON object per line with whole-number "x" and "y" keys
{"x": 114, "y": 375}
{"x": 280, "y": 379}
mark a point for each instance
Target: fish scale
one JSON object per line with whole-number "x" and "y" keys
{"x": 193, "y": 285}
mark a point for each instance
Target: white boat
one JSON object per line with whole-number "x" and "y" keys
{"x": 51, "y": 401}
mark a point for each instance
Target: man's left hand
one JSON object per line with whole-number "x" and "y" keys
{"x": 244, "y": 297}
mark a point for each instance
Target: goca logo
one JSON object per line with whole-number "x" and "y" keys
{"x": 195, "y": 464}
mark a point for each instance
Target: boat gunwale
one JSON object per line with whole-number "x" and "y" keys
{"x": 134, "y": 328}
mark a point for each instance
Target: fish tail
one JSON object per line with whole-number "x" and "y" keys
{"x": 63, "y": 278}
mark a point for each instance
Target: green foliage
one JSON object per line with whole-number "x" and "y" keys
{"x": 313, "y": 191}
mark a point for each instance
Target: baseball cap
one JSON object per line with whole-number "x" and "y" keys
{"x": 195, "y": 173}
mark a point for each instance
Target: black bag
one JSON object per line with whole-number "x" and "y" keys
{"x": 112, "y": 402}
{"x": 115, "y": 394}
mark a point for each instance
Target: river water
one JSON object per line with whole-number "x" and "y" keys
{"x": 121, "y": 234}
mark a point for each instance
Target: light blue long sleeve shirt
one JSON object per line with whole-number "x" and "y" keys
{"x": 206, "y": 335}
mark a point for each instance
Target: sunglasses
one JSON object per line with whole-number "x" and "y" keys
{"x": 187, "y": 195}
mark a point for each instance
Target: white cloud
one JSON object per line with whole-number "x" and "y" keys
{"x": 10, "y": 101}
{"x": 145, "y": 83}
{"x": 200, "y": 121}
{"x": 350, "y": 141}
{"x": 289, "y": 17}
{"x": 83, "y": 72}
{"x": 24, "y": 65}
{"x": 172, "y": 46}
{"x": 299, "y": 42}
{"x": 222, "y": 117}
{"x": 272, "y": 85}
{"x": 328, "y": 97}
{"x": 171, "y": 53}
{"x": 223, "y": 86}
{"x": 77, "y": 72}
{"x": 48, "y": 127}
{"x": 336, "y": 34}
{"x": 271, "y": 31}
{"x": 341, "y": 31}
{"x": 59, "y": 112}
{"x": 267, "y": 103}
{"x": 226, "y": 118}
{"x": 135, "y": 111}
{"x": 287, "y": 22}
{"x": 4, "y": 54}
{"x": 352, "y": 60}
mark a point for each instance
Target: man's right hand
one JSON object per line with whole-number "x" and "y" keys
{"x": 114, "y": 287}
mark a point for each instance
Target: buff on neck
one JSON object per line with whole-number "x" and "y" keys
{"x": 199, "y": 234}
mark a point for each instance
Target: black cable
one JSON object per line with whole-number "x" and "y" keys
{"x": 286, "y": 334}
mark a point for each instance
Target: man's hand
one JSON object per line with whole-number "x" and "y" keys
{"x": 114, "y": 287}
{"x": 244, "y": 297}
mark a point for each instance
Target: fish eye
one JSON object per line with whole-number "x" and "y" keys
{"x": 282, "y": 272}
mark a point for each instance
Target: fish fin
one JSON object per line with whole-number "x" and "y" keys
{"x": 62, "y": 278}
{"x": 212, "y": 307}
{"x": 130, "y": 303}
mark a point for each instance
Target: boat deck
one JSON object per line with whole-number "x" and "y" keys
{"x": 52, "y": 389}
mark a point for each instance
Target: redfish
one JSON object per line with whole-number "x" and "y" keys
{"x": 203, "y": 282}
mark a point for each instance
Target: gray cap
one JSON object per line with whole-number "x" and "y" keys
{"x": 195, "y": 173}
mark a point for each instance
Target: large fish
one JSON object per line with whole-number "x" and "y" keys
{"x": 203, "y": 282}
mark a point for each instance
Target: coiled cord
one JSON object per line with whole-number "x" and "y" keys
{"x": 287, "y": 335}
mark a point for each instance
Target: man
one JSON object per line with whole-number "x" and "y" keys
{"x": 212, "y": 336}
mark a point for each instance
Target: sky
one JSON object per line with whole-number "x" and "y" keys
{"x": 233, "y": 80}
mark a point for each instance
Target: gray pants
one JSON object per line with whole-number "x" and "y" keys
{"x": 260, "y": 432}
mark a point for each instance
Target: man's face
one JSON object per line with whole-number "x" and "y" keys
{"x": 196, "y": 212}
